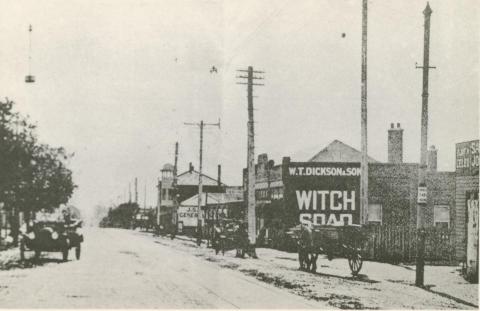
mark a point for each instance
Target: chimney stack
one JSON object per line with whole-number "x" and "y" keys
{"x": 395, "y": 144}
{"x": 432, "y": 159}
{"x": 219, "y": 175}
{"x": 190, "y": 167}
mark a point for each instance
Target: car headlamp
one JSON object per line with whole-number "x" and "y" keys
{"x": 55, "y": 235}
{"x": 31, "y": 235}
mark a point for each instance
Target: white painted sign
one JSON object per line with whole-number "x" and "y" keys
{"x": 422, "y": 195}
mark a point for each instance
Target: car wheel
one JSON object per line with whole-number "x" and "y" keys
{"x": 22, "y": 250}
{"x": 37, "y": 254}
{"x": 78, "y": 250}
{"x": 65, "y": 254}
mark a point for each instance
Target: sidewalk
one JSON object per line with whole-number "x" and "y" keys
{"x": 379, "y": 285}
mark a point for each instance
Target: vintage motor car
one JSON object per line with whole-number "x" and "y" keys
{"x": 51, "y": 236}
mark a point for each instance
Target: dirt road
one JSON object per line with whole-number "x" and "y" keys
{"x": 121, "y": 269}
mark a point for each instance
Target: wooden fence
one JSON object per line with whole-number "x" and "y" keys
{"x": 399, "y": 244}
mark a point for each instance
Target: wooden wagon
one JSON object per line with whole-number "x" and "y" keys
{"x": 334, "y": 241}
{"x": 231, "y": 234}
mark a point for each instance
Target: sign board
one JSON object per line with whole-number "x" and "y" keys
{"x": 323, "y": 193}
{"x": 472, "y": 234}
{"x": 466, "y": 158}
{"x": 422, "y": 195}
{"x": 188, "y": 215}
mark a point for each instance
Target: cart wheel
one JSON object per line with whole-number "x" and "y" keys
{"x": 355, "y": 262}
{"x": 65, "y": 254}
{"x": 22, "y": 250}
{"x": 78, "y": 250}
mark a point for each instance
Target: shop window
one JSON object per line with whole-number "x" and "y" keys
{"x": 164, "y": 194}
{"x": 441, "y": 216}
{"x": 375, "y": 214}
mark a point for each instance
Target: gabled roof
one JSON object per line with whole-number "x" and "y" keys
{"x": 337, "y": 151}
{"x": 190, "y": 178}
{"x": 212, "y": 199}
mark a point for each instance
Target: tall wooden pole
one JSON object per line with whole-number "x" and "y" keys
{"x": 422, "y": 170}
{"x": 200, "y": 189}
{"x": 200, "y": 179}
{"x": 175, "y": 194}
{"x": 136, "y": 190}
{"x": 364, "y": 149}
{"x": 251, "y": 203}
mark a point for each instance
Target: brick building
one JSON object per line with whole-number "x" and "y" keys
{"x": 392, "y": 186}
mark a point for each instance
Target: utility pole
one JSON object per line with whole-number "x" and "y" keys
{"x": 422, "y": 170}
{"x": 364, "y": 134}
{"x": 201, "y": 125}
{"x": 145, "y": 196}
{"x": 175, "y": 194}
{"x": 159, "y": 202}
{"x": 136, "y": 190}
{"x": 251, "y": 204}
{"x": 129, "y": 192}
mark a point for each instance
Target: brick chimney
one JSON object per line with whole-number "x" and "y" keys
{"x": 219, "y": 174}
{"x": 190, "y": 167}
{"x": 395, "y": 144}
{"x": 432, "y": 159}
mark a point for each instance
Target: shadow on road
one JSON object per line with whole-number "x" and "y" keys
{"x": 28, "y": 263}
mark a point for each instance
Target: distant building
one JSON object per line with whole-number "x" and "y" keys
{"x": 186, "y": 187}
{"x": 215, "y": 206}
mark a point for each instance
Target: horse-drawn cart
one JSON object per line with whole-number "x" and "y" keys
{"x": 230, "y": 234}
{"x": 334, "y": 241}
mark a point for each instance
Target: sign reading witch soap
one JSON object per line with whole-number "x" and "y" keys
{"x": 324, "y": 193}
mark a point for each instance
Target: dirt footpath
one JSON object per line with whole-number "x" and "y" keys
{"x": 379, "y": 286}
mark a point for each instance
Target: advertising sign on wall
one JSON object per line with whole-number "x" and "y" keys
{"x": 466, "y": 158}
{"x": 324, "y": 193}
{"x": 188, "y": 215}
{"x": 472, "y": 234}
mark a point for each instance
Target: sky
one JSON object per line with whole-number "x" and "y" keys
{"x": 117, "y": 80}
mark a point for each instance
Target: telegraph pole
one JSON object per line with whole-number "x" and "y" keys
{"x": 159, "y": 202}
{"x": 175, "y": 194}
{"x": 364, "y": 149}
{"x": 129, "y": 192}
{"x": 201, "y": 125}
{"x": 136, "y": 190}
{"x": 422, "y": 170}
{"x": 251, "y": 218}
{"x": 145, "y": 196}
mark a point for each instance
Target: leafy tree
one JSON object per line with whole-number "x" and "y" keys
{"x": 120, "y": 216}
{"x": 33, "y": 175}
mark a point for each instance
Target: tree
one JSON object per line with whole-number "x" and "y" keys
{"x": 33, "y": 175}
{"x": 120, "y": 216}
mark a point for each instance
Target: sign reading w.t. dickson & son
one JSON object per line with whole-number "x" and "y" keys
{"x": 323, "y": 193}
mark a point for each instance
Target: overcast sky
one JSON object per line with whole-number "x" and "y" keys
{"x": 117, "y": 79}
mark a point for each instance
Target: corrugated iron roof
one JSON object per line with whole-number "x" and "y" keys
{"x": 337, "y": 151}
{"x": 190, "y": 178}
{"x": 213, "y": 199}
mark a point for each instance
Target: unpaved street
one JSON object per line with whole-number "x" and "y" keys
{"x": 121, "y": 269}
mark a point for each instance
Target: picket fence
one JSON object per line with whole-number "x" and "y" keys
{"x": 397, "y": 244}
